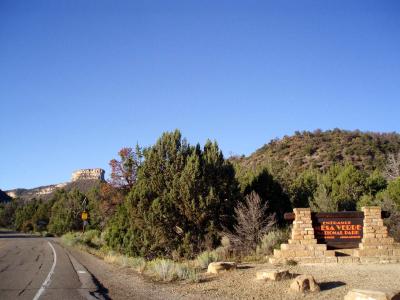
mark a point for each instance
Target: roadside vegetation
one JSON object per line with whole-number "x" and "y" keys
{"x": 169, "y": 210}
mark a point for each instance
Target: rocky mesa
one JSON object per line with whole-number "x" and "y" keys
{"x": 82, "y": 179}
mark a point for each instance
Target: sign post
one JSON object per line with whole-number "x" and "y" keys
{"x": 84, "y": 217}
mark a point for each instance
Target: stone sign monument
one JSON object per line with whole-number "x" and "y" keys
{"x": 317, "y": 237}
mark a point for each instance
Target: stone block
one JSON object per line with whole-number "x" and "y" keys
{"x": 317, "y": 247}
{"x": 272, "y": 274}
{"x": 369, "y": 235}
{"x": 277, "y": 253}
{"x": 309, "y": 242}
{"x": 377, "y": 241}
{"x": 303, "y": 253}
{"x": 345, "y": 259}
{"x": 218, "y": 267}
{"x": 295, "y": 222}
{"x": 292, "y": 242}
{"x": 287, "y": 254}
{"x": 274, "y": 260}
{"x": 329, "y": 253}
{"x": 330, "y": 260}
{"x": 319, "y": 253}
{"x": 369, "y": 260}
{"x": 396, "y": 252}
{"x": 357, "y": 294}
{"x": 372, "y": 252}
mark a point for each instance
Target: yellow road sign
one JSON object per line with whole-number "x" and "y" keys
{"x": 84, "y": 216}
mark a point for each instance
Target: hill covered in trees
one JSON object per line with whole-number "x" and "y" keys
{"x": 288, "y": 157}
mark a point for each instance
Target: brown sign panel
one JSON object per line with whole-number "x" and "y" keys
{"x": 338, "y": 230}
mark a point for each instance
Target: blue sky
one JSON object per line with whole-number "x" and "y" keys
{"x": 81, "y": 79}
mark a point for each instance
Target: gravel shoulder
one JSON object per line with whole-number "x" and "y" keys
{"x": 335, "y": 281}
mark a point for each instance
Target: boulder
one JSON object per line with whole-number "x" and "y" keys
{"x": 304, "y": 283}
{"x": 217, "y": 267}
{"x": 272, "y": 274}
{"x": 356, "y": 294}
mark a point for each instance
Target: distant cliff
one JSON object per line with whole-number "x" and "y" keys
{"x": 91, "y": 174}
{"x": 83, "y": 180}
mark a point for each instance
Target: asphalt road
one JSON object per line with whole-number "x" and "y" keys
{"x": 38, "y": 268}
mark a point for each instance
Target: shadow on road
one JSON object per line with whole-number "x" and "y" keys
{"x": 101, "y": 290}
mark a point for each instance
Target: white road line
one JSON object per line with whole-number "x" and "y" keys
{"x": 47, "y": 281}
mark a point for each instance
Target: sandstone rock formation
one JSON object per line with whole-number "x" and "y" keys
{"x": 88, "y": 174}
{"x": 82, "y": 180}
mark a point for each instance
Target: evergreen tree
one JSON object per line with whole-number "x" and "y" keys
{"x": 66, "y": 211}
{"x": 182, "y": 196}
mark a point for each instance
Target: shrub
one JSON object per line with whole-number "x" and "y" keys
{"x": 168, "y": 270}
{"x": 138, "y": 263}
{"x": 163, "y": 269}
{"x": 185, "y": 272}
{"x": 91, "y": 238}
{"x": 206, "y": 257}
{"x": 272, "y": 240}
{"x": 70, "y": 239}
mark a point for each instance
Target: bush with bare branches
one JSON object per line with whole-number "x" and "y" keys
{"x": 251, "y": 224}
{"x": 392, "y": 170}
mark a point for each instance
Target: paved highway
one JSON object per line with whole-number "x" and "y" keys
{"x": 38, "y": 268}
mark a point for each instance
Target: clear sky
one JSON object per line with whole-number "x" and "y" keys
{"x": 81, "y": 79}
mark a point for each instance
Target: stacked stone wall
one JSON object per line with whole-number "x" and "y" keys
{"x": 376, "y": 243}
{"x": 303, "y": 245}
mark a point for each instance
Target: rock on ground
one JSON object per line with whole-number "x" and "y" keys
{"x": 272, "y": 274}
{"x": 217, "y": 267}
{"x": 304, "y": 283}
{"x": 357, "y": 294}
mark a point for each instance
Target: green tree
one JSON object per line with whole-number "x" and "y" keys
{"x": 7, "y": 214}
{"x": 341, "y": 185}
{"x": 270, "y": 190}
{"x": 65, "y": 212}
{"x": 24, "y": 215}
{"x": 302, "y": 190}
{"x": 182, "y": 196}
{"x": 392, "y": 192}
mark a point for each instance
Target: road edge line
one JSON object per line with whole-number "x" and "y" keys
{"x": 47, "y": 281}
{"x": 88, "y": 287}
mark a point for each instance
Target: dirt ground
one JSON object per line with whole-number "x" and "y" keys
{"x": 335, "y": 281}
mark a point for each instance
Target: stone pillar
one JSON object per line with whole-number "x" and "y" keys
{"x": 302, "y": 231}
{"x": 302, "y": 246}
{"x": 376, "y": 242}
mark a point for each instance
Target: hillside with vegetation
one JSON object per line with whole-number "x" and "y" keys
{"x": 305, "y": 150}
{"x": 175, "y": 199}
